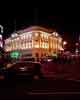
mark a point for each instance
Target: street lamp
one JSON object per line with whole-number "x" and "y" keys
{"x": 64, "y": 43}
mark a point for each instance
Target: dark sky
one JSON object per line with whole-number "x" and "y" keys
{"x": 65, "y": 18}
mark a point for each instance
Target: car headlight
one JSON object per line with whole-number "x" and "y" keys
{"x": 9, "y": 65}
{"x": 23, "y": 68}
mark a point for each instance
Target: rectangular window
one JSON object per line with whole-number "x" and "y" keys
{"x": 30, "y": 44}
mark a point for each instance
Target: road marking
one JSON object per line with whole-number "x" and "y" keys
{"x": 51, "y": 93}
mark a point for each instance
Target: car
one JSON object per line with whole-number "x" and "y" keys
{"x": 23, "y": 70}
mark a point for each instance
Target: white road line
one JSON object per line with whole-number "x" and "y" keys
{"x": 51, "y": 93}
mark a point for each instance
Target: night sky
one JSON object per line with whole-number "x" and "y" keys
{"x": 65, "y": 18}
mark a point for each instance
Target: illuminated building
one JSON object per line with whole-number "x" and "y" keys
{"x": 34, "y": 41}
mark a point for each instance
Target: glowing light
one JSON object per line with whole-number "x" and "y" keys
{"x": 64, "y": 43}
{"x": 77, "y": 44}
{"x": 1, "y": 44}
{"x": 55, "y": 34}
{"x": 14, "y": 35}
{"x": 9, "y": 65}
{"x": 36, "y": 46}
{"x": 14, "y": 54}
{"x": 0, "y": 36}
{"x": 17, "y": 39}
{"x": 36, "y": 34}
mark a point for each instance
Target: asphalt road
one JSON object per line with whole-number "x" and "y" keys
{"x": 61, "y": 71}
{"x": 39, "y": 88}
{"x": 48, "y": 88}
{"x": 59, "y": 80}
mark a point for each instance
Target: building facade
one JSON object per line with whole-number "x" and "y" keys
{"x": 34, "y": 41}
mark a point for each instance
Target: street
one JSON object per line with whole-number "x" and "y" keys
{"x": 61, "y": 71}
{"x": 40, "y": 88}
{"x": 48, "y": 88}
{"x": 58, "y": 79}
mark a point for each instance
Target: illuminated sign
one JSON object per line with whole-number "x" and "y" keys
{"x": 14, "y": 54}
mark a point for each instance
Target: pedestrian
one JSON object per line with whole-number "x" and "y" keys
{"x": 37, "y": 71}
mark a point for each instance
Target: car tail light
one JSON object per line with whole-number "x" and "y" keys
{"x": 36, "y": 77}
